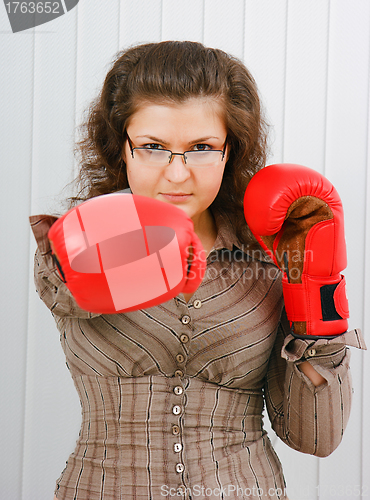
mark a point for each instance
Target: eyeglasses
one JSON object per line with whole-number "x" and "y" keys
{"x": 161, "y": 157}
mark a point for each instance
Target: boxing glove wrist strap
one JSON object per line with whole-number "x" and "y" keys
{"x": 321, "y": 302}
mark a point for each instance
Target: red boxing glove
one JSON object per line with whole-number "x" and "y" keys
{"x": 297, "y": 216}
{"x": 122, "y": 252}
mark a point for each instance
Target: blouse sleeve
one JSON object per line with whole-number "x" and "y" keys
{"x": 49, "y": 286}
{"x": 307, "y": 418}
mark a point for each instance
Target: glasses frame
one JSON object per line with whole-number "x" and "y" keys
{"x": 172, "y": 154}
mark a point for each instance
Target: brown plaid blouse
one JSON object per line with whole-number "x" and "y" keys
{"x": 172, "y": 396}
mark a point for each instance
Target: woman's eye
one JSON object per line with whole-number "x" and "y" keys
{"x": 202, "y": 147}
{"x": 152, "y": 146}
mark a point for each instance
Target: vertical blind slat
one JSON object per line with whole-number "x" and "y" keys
{"x": 183, "y": 20}
{"x": 306, "y": 81}
{"x": 224, "y": 25}
{"x": 16, "y": 61}
{"x": 265, "y": 56}
{"x": 345, "y": 166}
{"x": 140, "y": 22}
{"x": 52, "y": 163}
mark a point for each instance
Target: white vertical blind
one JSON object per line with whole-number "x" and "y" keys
{"x": 311, "y": 61}
{"x": 183, "y": 20}
{"x": 306, "y": 83}
{"x": 224, "y": 25}
{"x": 140, "y": 21}
{"x": 364, "y": 288}
{"x": 346, "y": 165}
{"x": 265, "y": 55}
{"x": 16, "y": 151}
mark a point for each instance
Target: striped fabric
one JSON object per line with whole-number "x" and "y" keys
{"x": 172, "y": 396}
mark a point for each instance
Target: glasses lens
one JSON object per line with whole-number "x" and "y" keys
{"x": 161, "y": 157}
{"x": 203, "y": 158}
{"x": 152, "y": 156}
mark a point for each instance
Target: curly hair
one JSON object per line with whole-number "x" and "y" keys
{"x": 174, "y": 71}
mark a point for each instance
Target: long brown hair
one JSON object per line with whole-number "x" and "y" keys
{"x": 174, "y": 71}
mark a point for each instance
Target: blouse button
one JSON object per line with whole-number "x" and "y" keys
{"x": 311, "y": 352}
{"x": 175, "y": 430}
{"x": 184, "y": 338}
{"x": 180, "y": 468}
{"x": 197, "y": 304}
{"x": 177, "y": 447}
{"x": 178, "y": 390}
{"x": 179, "y": 373}
{"x": 180, "y": 358}
{"x": 181, "y": 489}
{"x": 185, "y": 320}
{"x": 176, "y": 410}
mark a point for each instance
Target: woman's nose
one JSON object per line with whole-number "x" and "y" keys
{"x": 176, "y": 170}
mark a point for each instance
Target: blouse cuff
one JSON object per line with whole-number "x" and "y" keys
{"x": 298, "y": 350}
{"x": 40, "y": 225}
{"x": 51, "y": 289}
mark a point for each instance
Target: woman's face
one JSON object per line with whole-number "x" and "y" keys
{"x": 193, "y": 125}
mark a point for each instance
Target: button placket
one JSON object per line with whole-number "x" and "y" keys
{"x": 177, "y": 449}
{"x": 177, "y": 409}
{"x": 186, "y": 320}
{"x": 178, "y": 389}
{"x": 184, "y": 339}
{"x": 180, "y": 360}
{"x": 180, "y": 357}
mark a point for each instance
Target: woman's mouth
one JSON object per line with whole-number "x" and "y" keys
{"x": 176, "y": 197}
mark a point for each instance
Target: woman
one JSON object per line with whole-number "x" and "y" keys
{"x": 172, "y": 396}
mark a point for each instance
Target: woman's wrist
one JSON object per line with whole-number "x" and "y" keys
{"x": 311, "y": 373}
